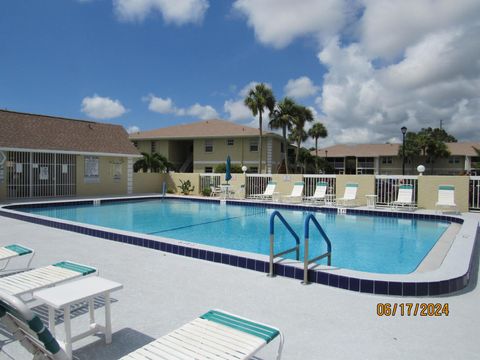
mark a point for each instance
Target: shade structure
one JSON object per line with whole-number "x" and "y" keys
{"x": 228, "y": 175}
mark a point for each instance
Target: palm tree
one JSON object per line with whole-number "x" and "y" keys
{"x": 152, "y": 163}
{"x": 258, "y": 99}
{"x": 298, "y": 134}
{"x": 282, "y": 118}
{"x": 318, "y": 130}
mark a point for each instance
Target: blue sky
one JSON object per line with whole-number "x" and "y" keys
{"x": 153, "y": 63}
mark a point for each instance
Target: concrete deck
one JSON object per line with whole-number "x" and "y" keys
{"x": 163, "y": 291}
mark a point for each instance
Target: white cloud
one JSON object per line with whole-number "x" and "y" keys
{"x": 178, "y": 12}
{"x": 167, "y": 106}
{"x": 98, "y": 107}
{"x": 133, "y": 129}
{"x": 279, "y": 22}
{"x": 300, "y": 88}
{"x": 237, "y": 110}
{"x": 157, "y": 104}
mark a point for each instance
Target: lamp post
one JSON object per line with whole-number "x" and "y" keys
{"x": 404, "y": 131}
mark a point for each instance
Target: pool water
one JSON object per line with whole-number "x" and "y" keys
{"x": 378, "y": 244}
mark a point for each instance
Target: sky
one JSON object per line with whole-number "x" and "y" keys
{"x": 365, "y": 68}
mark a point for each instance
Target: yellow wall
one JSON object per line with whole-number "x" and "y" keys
{"x": 366, "y": 186}
{"x": 148, "y": 182}
{"x": 428, "y": 190}
{"x": 174, "y": 181}
{"x": 106, "y": 185}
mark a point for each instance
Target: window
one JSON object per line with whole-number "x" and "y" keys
{"x": 208, "y": 146}
{"x": 230, "y": 142}
{"x": 282, "y": 148}
{"x": 135, "y": 143}
{"x": 254, "y": 146}
{"x": 454, "y": 160}
{"x": 253, "y": 169}
{"x": 153, "y": 148}
{"x": 208, "y": 170}
{"x": 387, "y": 160}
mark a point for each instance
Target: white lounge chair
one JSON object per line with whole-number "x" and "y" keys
{"x": 349, "y": 196}
{"x": 29, "y": 281}
{"x": 404, "y": 198}
{"x": 267, "y": 194}
{"x": 9, "y": 252}
{"x": 215, "y": 191}
{"x": 214, "y": 335}
{"x": 319, "y": 194}
{"x": 297, "y": 192}
{"x": 446, "y": 197}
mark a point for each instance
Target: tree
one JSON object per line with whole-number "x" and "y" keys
{"x": 152, "y": 163}
{"x": 318, "y": 130}
{"x": 282, "y": 118}
{"x": 307, "y": 161}
{"x": 258, "y": 99}
{"x": 298, "y": 133}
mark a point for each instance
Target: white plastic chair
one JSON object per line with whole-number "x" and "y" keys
{"x": 267, "y": 194}
{"x": 404, "y": 197}
{"x": 446, "y": 197}
{"x": 9, "y": 252}
{"x": 349, "y": 196}
{"x": 297, "y": 192}
{"x": 319, "y": 194}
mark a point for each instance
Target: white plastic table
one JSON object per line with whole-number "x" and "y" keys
{"x": 371, "y": 201}
{"x": 63, "y": 296}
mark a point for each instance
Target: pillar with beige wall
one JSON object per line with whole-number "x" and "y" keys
{"x": 428, "y": 190}
{"x": 366, "y": 186}
{"x": 109, "y": 182}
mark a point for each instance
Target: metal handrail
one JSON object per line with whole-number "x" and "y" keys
{"x": 306, "y": 260}
{"x": 276, "y": 213}
{"x": 164, "y": 188}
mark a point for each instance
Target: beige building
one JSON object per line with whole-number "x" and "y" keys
{"x": 47, "y": 156}
{"x": 383, "y": 159}
{"x": 201, "y": 146}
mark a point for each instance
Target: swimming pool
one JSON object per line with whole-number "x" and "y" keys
{"x": 378, "y": 244}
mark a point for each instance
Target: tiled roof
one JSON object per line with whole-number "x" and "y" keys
{"x": 200, "y": 129}
{"x": 42, "y": 132}
{"x": 372, "y": 150}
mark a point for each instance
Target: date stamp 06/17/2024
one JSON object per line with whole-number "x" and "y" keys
{"x": 412, "y": 309}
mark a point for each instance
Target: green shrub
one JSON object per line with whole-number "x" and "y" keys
{"x": 206, "y": 192}
{"x": 234, "y": 169}
{"x": 186, "y": 187}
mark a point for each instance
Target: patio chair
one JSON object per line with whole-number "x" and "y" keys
{"x": 319, "y": 194}
{"x": 13, "y": 251}
{"x": 297, "y": 192}
{"x": 349, "y": 196}
{"x": 267, "y": 194}
{"x": 446, "y": 197}
{"x": 214, "y": 191}
{"x": 29, "y": 281}
{"x": 404, "y": 198}
{"x": 214, "y": 335}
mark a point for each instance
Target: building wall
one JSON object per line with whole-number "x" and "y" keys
{"x": 148, "y": 182}
{"x": 107, "y": 184}
{"x": 428, "y": 190}
{"x": 366, "y": 186}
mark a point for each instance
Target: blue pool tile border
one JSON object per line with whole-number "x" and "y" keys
{"x": 356, "y": 284}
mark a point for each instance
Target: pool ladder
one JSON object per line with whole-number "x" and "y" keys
{"x": 296, "y": 248}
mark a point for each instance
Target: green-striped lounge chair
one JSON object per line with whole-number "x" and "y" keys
{"x": 9, "y": 252}
{"x": 446, "y": 198}
{"x": 214, "y": 335}
{"x": 267, "y": 194}
{"x": 404, "y": 198}
{"x": 28, "y": 328}
{"x": 319, "y": 194}
{"x": 297, "y": 192}
{"x": 349, "y": 196}
{"x": 32, "y": 280}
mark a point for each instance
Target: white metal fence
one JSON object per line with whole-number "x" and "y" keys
{"x": 256, "y": 183}
{"x": 474, "y": 193}
{"x": 312, "y": 180}
{"x": 40, "y": 174}
{"x": 386, "y": 187}
{"x": 207, "y": 180}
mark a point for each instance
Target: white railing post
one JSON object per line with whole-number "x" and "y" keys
{"x": 474, "y": 193}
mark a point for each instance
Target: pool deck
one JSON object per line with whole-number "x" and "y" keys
{"x": 162, "y": 291}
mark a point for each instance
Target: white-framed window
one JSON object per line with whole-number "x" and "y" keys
{"x": 253, "y": 145}
{"x": 454, "y": 160}
{"x": 387, "y": 160}
{"x": 208, "y": 146}
{"x": 208, "y": 169}
{"x": 230, "y": 142}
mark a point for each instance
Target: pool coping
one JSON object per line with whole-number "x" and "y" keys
{"x": 453, "y": 274}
